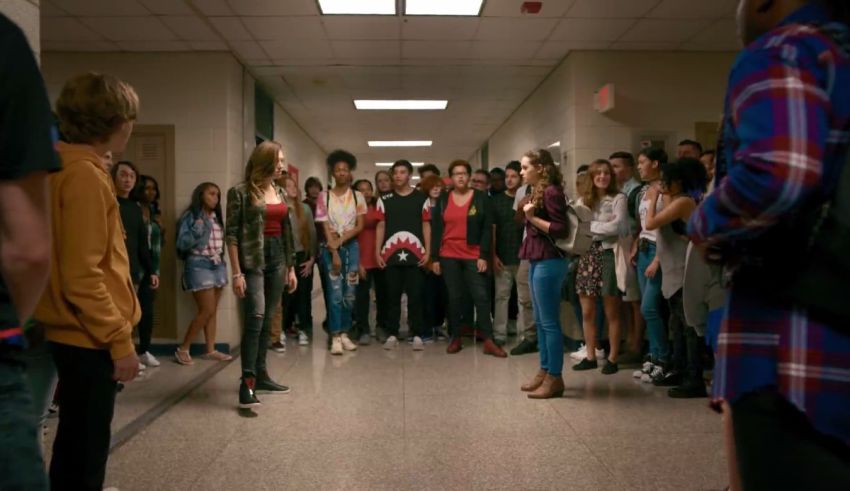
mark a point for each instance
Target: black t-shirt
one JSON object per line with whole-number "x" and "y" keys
{"x": 27, "y": 134}
{"x": 403, "y": 216}
{"x": 136, "y": 239}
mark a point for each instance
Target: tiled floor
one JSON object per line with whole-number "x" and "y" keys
{"x": 402, "y": 420}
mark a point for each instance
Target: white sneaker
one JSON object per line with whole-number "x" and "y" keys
{"x": 391, "y": 343}
{"x": 148, "y": 359}
{"x": 303, "y": 340}
{"x": 347, "y": 343}
{"x": 581, "y": 354}
{"x": 647, "y": 369}
{"x": 418, "y": 344}
{"x": 336, "y": 345}
{"x": 142, "y": 367}
{"x": 647, "y": 378}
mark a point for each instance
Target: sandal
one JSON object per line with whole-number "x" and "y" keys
{"x": 182, "y": 357}
{"x": 216, "y": 356}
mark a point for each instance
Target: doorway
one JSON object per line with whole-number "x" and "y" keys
{"x": 151, "y": 149}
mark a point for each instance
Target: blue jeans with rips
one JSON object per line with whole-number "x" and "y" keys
{"x": 341, "y": 294}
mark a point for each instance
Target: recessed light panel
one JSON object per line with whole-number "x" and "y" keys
{"x": 400, "y": 143}
{"x": 357, "y": 7}
{"x": 390, "y": 164}
{"x": 400, "y": 105}
{"x": 443, "y": 7}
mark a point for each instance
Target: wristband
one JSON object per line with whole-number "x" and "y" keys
{"x": 237, "y": 276}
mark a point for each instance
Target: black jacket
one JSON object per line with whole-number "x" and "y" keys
{"x": 479, "y": 223}
{"x": 136, "y": 239}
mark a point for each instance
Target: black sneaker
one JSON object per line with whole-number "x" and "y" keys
{"x": 247, "y": 398}
{"x": 585, "y": 364}
{"x": 269, "y": 386}
{"x": 524, "y": 347}
{"x": 500, "y": 342}
{"x": 610, "y": 368}
{"x": 688, "y": 391}
{"x": 668, "y": 378}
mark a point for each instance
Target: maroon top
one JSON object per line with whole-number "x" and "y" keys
{"x": 275, "y": 215}
{"x": 537, "y": 246}
{"x": 366, "y": 238}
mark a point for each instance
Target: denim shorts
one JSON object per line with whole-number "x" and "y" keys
{"x": 201, "y": 273}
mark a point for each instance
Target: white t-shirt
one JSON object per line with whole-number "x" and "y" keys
{"x": 340, "y": 211}
{"x": 650, "y": 235}
{"x": 520, "y": 194}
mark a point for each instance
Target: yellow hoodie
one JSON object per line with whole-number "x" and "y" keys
{"x": 90, "y": 301}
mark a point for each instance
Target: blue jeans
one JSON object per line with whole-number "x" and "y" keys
{"x": 264, "y": 290}
{"x": 546, "y": 302}
{"x": 650, "y": 306}
{"x": 341, "y": 294}
{"x": 21, "y": 464}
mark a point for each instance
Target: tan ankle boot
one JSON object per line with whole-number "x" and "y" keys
{"x": 551, "y": 387}
{"x": 534, "y": 383}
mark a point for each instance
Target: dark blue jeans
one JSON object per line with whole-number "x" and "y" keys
{"x": 264, "y": 290}
{"x": 543, "y": 277}
{"x": 21, "y": 465}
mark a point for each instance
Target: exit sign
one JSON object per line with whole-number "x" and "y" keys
{"x": 603, "y": 99}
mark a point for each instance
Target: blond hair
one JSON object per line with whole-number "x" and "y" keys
{"x": 261, "y": 167}
{"x": 91, "y": 107}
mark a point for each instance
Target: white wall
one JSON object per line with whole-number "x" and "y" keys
{"x": 202, "y": 95}
{"x": 301, "y": 149}
{"x": 655, "y": 91}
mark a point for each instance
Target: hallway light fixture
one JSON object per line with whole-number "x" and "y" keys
{"x": 400, "y": 143}
{"x": 357, "y": 7}
{"x": 443, "y": 7}
{"x": 400, "y": 104}
{"x": 556, "y": 144}
{"x": 390, "y": 164}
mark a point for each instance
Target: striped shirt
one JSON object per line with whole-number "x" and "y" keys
{"x": 215, "y": 246}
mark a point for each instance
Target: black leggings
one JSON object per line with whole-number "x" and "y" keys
{"x": 462, "y": 278}
{"x": 147, "y": 297}
{"x": 777, "y": 447}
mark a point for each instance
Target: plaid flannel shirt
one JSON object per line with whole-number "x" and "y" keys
{"x": 785, "y": 138}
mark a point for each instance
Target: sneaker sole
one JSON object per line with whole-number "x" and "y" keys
{"x": 250, "y": 406}
{"x": 273, "y": 392}
{"x": 418, "y": 348}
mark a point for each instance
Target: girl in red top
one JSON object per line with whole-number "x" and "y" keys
{"x": 461, "y": 232}
{"x": 369, "y": 270}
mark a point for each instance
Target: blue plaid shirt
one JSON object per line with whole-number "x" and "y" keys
{"x": 785, "y": 138}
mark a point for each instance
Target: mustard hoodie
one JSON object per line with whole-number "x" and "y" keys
{"x": 90, "y": 301}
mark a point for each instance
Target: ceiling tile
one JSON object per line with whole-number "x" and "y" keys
{"x": 638, "y": 46}
{"x": 130, "y": 28}
{"x": 362, "y": 27}
{"x": 274, "y": 7}
{"x": 694, "y": 9}
{"x": 319, "y": 49}
{"x": 153, "y": 46}
{"x": 511, "y": 8}
{"x": 559, "y": 49}
{"x": 615, "y": 9}
{"x": 367, "y": 49}
{"x": 66, "y": 29}
{"x": 248, "y": 49}
{"x": 439, "y": 28}
{"x": 663, "y": 31}
{"x": 209, "y": 45}
{"x": 213, "y": 7}
{"x": 504, "y": 50}
{"x": 101, "y": 8}
{"x": 591, "y": 29}
{"x": 78, "y": 46}
{"x": 284, "y": 28}
{"x": 231, "y": 28}
{"x": 190, "y": 28}
{"x": 436, "y": 49}
{"x": 167, "y": 7}
{"x": 524, "y": 29}
{"x": 723, "y": 34}
{"x": 47, "y": 9}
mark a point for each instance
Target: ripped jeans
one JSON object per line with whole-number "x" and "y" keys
{"x": 264, "y": 291}
{"x": 342, "y": 288}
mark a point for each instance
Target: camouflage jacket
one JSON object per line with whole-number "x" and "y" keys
{"x": 245, "y": 225}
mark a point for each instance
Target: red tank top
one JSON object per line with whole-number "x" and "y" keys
{"x": 275, "y": 215}
{"x": 455, "y": 244}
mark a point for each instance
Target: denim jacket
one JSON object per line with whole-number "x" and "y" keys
{"x": 193, "y": 236}
{"x": 245, "y": 225}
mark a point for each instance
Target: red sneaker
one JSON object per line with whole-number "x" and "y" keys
{"x": 455, "y": 346}
{"x": 491, "y": 348}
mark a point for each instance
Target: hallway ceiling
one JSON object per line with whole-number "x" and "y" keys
{"x": 316, "y": 65}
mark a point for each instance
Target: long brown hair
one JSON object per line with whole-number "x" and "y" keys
{"x": 550, "y": 174}
{"x": 590, "y": 195}
{"x": 297, "y": 208}
{"x": 261, "y": 166}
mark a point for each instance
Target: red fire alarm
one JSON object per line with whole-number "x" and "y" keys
{"x": 531, "y": 7}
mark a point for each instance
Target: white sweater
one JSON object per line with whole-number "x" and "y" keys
{"x": 610, "y": 220}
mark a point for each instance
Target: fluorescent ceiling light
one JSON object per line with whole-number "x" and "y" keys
{"x": 442, "y": 7}
{"x": 357, "y": 7}
{"x": 390, "y": 164}
{"x": 556, "y": 144}
{"x": 414, "y": 178}
{"x": 409, "y": 105}
{"x": 400, "y": 143}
